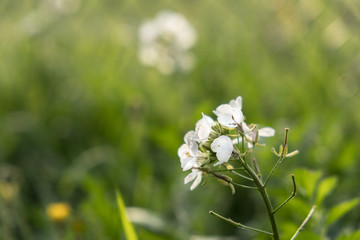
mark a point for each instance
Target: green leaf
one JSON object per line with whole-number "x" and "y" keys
{"x": 128, "y": 227}
{"x": 306, "y": 181}
{"x": 325, "y": 187}
{"x": 350, "y": 236}
{"x": 341, "y": 209}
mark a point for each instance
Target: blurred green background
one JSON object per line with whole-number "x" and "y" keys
{"x": 80, "y": 116}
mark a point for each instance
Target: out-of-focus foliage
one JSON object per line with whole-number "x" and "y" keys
{"x": 80, "y": 116}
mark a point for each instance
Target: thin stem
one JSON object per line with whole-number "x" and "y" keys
{"x": 273, "y": 169}
{"x": 239, "y": 225}
{"x": 286, "y": 137}
{"x": 240, "y": 175}
{"x": 256, "y": 167}
{"x": 291, "y": 196}
{"x": 243, "y": 143}
{"x": 304, "y": 222}
{"x": 228, "y": 170}
{"x": 228, "y": 180}
{"x": 244, "y": 186}
{"x": 282, "y": 156}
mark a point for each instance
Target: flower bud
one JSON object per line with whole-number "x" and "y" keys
{"x": 232, "y": 188}
{"x": 296, "y": 152}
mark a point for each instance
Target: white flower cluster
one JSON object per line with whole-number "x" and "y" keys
{"x": 165, "y": 42}
{"x": 213, "y": 143}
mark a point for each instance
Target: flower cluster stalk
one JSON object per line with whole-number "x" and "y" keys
{"x": 224, "y": 148}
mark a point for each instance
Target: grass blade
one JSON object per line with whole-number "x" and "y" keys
{"x": 127, "y": 225}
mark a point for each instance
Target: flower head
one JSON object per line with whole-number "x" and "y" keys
{"x": 230, "y": 115}
{"x": 216, "y": 138}
{"x": 165, "y": 41}
{"x": 58, "y": 212}
{"x": 223, "y": 147}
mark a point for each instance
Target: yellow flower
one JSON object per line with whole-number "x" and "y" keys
{"x": 58, "y": 212}
{"x": 8, "y": 190}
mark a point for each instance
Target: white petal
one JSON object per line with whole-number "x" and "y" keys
{"x": 215, "y": 145}
{"x": 191, "y": 176}
{"x": 266, "y": 132}
{"x": 193, "y": 146}
{"x": 197, "y": 181}
{"x": 226, "y": 120}
{"x": 185, "y": 159}
{"x": 226, "y": 114}
{"x": 221, "y": 143}
{"x": 237, "y": 103}
{"x": 203, "y": 127}
{"x": 189, "y": 164}
{"x": 223, "y": 146}
{"x": 245, "y": 127}
{"x": 190, "y": 136}
{"x": 208, "y": 119}
{"x": 238, "y": 115}
{"x": 190, "y": 139}
{"x": 182, "y": 150}
{"x": 223, "y": 156}
{"x": 223, "y": 109}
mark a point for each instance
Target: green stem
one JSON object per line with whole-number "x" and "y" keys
{"x": 242, "y": 143}
{"x": 228, "y": 170}
{"x": 304, "y": 222}
{"x": 239, "y": 225}
{"x": 265, "y": 198}
{"x": 240, "y": 175}
{"x": 291, "y": 196}
{"x": 244, "y": 186}
{"x": 273, "y": 169}
{"x": 256, "y": 167}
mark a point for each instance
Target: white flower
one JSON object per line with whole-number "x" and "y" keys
{"x": 229, "y": 115}
{"x": 203, "y": 127}
{"x": 195, "y": 174}
{"x": 223, "y": 147}
{"x": 251, "y": 135}
{"x": 188, "y": 152}
{"x": 165, "y": 41}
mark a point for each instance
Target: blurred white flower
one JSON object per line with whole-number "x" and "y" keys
{"x": 229, "y": 115}
{"x": 46, "y": 13}
{"x": 165, "y": 41}
{"x": 188, "y": 152}
{"x": 203, "y": 127}
{"x": 223, "y": 147}
{"x": 196, "y": 176}
{"x": 67, "y": 6}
